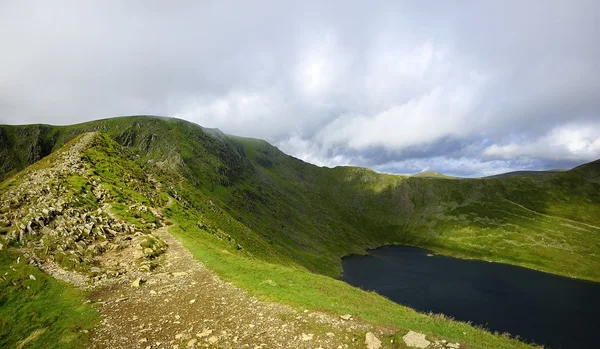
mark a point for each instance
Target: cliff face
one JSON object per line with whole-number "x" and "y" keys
{"x": 21, "y": 146}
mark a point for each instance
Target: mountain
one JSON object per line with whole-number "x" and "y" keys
{"x": 522, "y": 173}
{"x": 431, "y": 174}
{"x": 92, "y": 200}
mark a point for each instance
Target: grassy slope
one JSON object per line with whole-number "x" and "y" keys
{"x": 43, "y": 312}
{"x": 305, "y": 290}
{"x": 302, "y": 214}
{"x": 546, "y": 222}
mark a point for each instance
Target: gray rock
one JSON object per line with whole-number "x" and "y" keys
{"x": 137, "y": 282}
{"x": 371, "y": 341}
{"x": 307, "y": 337}
{"x": 96, "y": 270}
{"x": 415, "y": 340}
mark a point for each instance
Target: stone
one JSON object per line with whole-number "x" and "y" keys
{"x": 371, "y": 341}
{"x": 192, "y": 301}
{"x": 307, "y": 337}
{"x": 330, "y": 334}
{"x": 192, "y": 342}
{"x": 204, "y": 333}
{"x": 143, "y": 340}
{"x": 213, "y": 339}
{"x": 96, "y": 270}
{"x": 346, "y": 317}
{"x": 415, "y": 340}
{"x": 453, "y": 345}
{"x": 136, "y": 283}
{"x": 31, "y": 277}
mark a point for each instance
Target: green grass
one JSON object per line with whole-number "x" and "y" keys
{"x": 40, "y": 313}
{"x": 302, "y": 289}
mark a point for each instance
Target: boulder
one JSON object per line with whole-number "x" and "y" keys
{"x": 371, "y": 341}
{"x": 415, "y": 340}
{"x": 137, "y": 282}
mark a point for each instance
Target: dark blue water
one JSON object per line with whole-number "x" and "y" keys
{"x": 555, "y": 311}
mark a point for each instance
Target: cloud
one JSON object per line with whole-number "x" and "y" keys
{"x": 470, "y": 88}
{"x": 580, "y": 143}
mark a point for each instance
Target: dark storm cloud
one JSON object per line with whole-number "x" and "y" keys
{"x": 468, "y": 87}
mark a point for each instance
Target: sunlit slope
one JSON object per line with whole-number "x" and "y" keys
{"x": 548, "y": 221}
{"x": 312, "y": 216}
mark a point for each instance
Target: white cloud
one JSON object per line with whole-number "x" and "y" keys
{"x": 423, "y": 120}
{"x": 460, "y": 167}
{"x": 573, "y": 142}
{"x": 321, "y": 67}
{"x": 336, "y": 83}
{"x": 308, "y": 150}
{"x": 238, "y": 112}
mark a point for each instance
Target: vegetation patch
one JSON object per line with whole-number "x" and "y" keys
{"x": 38, "y": 311}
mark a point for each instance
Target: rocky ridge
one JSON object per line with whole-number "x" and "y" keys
{"x": 57, "y": 231}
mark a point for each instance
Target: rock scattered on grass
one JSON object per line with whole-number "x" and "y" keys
{"x": 415, "y": 340}
{"x": 371, "y": 341}
{"x": 307, "y": 337}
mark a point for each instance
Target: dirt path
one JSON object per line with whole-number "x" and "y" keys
{"x": 183, "y": 304}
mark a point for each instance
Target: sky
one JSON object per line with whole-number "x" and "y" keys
{"x": 466, "y": 88}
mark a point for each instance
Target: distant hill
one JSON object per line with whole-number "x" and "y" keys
{"x": 524, "y": 173}
{"x": 432, "y": 174}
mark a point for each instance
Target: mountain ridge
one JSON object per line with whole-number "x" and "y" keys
{"x": 278, "y": 227}
{"x": 259, "y": 185}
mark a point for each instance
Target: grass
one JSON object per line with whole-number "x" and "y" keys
{"x": 302, "y": 289}
{"x": 40, "y": 313}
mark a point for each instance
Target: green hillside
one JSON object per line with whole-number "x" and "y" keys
{"x": 278, "y": 227}
{"x": 313, "y": 216}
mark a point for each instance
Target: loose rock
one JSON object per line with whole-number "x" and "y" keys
{"x": 415, "y": 340}
{"x": 372, "y": 342}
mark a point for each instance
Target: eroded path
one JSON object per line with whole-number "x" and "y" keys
{"x": 183, "y": 304}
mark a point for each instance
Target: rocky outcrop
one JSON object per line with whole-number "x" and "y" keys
{"x": 61, "y": 215}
